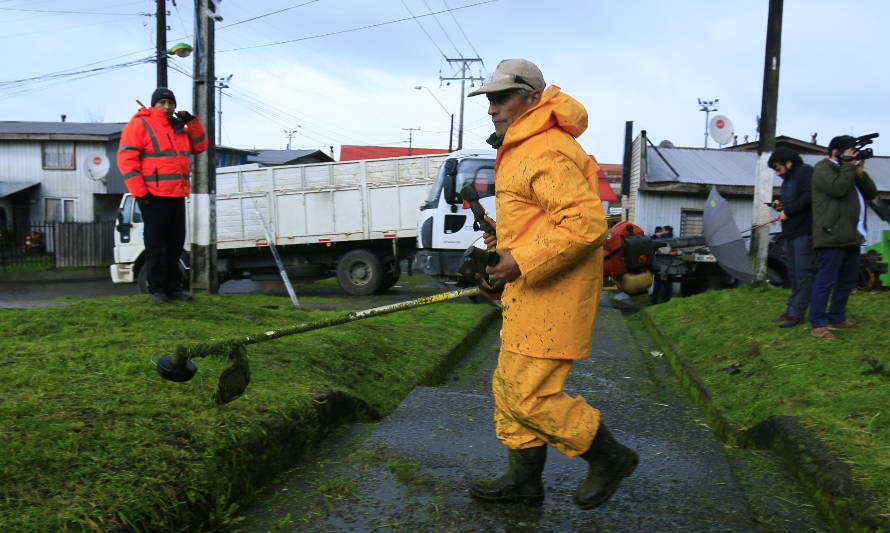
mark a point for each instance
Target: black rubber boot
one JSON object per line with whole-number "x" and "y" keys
{"x": 610, "y": 462}
{"x": 521, "y": 483}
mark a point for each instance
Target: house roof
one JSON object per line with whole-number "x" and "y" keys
{"x": 287, "y": 157}
{"x": 231, "y": 150}
{"x": 352, "y": 152}
{"x": 729, "y": 167}
{"x": 800, "y": 146}
{"x": 13, "y": 130}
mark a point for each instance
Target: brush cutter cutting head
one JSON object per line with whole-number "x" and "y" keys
{"x": 172, "y": 372}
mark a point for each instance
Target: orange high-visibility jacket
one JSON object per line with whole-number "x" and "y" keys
{"x": 154, "y": 158}
{"x": 550, "y": 217}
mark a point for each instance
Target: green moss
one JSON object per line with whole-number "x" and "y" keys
{"x": 90, "y": 434}
{"x": 834, "y": 386}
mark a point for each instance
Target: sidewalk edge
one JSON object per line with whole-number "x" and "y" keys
{"x": 829, "y": 482}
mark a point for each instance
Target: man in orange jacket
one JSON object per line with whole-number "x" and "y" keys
{"x": 550, "y": 231}
{"x": 155, "y": 160}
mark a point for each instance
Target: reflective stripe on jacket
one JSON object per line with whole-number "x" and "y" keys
{"x": 154, "y": 158}
{"x": 551, "y": 219}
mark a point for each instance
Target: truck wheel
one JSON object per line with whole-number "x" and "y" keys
{"x": 184, "y": 265}
{"x": 391, "y": 277}
{"x": 142, "y": 279}
{"x": 775, "y": 278}
{"x": 360, "y": 272}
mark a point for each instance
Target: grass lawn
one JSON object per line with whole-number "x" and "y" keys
{"x": 91, "y": 438}
{"x": 839, "y": 388}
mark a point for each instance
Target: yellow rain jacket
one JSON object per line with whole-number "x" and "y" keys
{"x": 550, "y": 218}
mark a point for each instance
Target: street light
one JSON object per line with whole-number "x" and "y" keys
{"x": 451, "y": 129}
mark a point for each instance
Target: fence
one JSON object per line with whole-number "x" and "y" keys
{"x": 45, "y": 245}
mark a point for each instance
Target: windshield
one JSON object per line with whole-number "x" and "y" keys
{"x": 436, "y": 189}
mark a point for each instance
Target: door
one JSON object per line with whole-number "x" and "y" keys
{"x": 455, "y": 230}
{"x": 128, "y": 238}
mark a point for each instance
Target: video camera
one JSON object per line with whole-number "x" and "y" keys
{"x": 856, "y": 143}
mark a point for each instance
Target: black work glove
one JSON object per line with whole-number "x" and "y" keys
{"x": 143, "y": 200}
{"x": 184, "y": 116}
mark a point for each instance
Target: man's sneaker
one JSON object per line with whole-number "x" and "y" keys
{"x": 822, "y": 333}
{"x": 791, "y": 322}
{"x": 782, "y": 318}
{"x": 158, "y": 297}
{"x": 846, "y": 324}
{"x": 180, "y": 296}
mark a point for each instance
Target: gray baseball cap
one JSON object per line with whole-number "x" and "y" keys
{"x": 513, "y": 74}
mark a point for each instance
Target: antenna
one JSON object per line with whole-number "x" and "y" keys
{"x": 721, "y": 129}
{"x": 707, "y": 106}
{"x": 96, "y": 167}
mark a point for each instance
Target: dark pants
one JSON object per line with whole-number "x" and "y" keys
{"x": 838, "y": 271}
{"x": 802, "y": 270}
{"x": 164, "y": 236}
{"x": 662, "y": 289}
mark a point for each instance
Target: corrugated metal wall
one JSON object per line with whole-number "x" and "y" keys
{"x": 23, "y": 162}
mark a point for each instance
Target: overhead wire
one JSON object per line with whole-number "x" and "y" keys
{"x": 430, "y": 37}
{"x": 441, "y": 27}
{"x": 267, "y": 14}
{"x": 358, "y": 28}
{"x": 74, "y": 12}
{"x": 473, "y": 48}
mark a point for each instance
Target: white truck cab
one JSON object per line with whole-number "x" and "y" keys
{"x": 445, "y": 225}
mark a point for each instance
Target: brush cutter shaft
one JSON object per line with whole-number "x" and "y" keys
{"x": 182, "y": 356}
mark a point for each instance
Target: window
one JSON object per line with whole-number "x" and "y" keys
{"x": 478, "y": 172}
{"x": 692, "y": 222}
{"x": 58, "y": 210}
{"x": 58, "y": 155}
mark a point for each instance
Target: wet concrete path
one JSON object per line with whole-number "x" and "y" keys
{"x": 410, "y": 472}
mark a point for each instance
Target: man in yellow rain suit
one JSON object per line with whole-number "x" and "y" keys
{"x": 549, "y": 236}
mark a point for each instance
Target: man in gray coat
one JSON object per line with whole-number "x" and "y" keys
{"x": 841, "y": 188}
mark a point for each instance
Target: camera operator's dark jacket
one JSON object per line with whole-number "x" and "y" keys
{"x": 797, "y": 197}
{"x": 836, "y": 204}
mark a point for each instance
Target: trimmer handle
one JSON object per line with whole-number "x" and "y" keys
{"x": 469, "y": 195}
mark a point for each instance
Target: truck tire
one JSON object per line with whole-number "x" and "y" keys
{"x": 360, "y": 272}
{"x": 390, "y": 277}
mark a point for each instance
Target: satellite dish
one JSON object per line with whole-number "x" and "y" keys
{"x": 666, "y": 144}
{"x": 96, "y": 166}
{"x": 721, "y": 130}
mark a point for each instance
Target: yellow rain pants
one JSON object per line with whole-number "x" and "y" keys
{"x": 531, "y": 408}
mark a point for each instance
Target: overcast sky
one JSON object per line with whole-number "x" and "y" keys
{"x": 647, "y": 61}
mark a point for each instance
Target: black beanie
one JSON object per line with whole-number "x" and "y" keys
{"x": 161, "y": 93}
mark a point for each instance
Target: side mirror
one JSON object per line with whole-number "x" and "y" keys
{"x": 451, "y": 167}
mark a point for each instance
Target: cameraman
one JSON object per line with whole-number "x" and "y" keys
{"x": 840, "y": 189}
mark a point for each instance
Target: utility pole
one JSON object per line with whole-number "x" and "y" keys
{"x": 161, "y": 42}
{"x": 465, "y": 63}
{"x": 221, "y": 83}
{"x": 707, "y": 106}
{"x": 410, "y": 136}
{"x": 290, "y": 135}
{"x": 203, "y": 206}
{"x": 763, "y": 183}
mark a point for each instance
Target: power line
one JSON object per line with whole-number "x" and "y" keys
{"x": 430, "y": 37}
{"x": 267, "y": 14}
{"x": 75, "y": 12}
{"x": 442, "y": 28}
{"x": 320, "y": 35}
{"x": 462, "y": 31}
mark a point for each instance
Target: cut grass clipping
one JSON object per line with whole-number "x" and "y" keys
{"x": 92, "y": 438}
{"x": 839, "y": 388}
